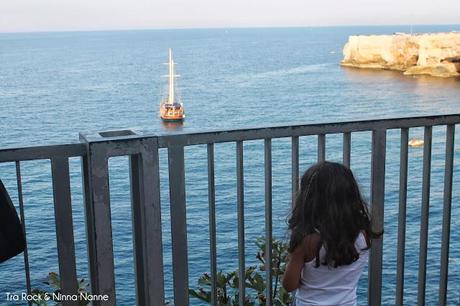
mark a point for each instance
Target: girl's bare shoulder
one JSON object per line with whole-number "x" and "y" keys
{"x": 311, "y": 243}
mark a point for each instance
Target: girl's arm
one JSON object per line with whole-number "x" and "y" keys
{"x": 305, "y": 252}
{"x": 291, "y": 278}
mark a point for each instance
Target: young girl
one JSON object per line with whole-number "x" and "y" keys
{"x": 330, "y": 237}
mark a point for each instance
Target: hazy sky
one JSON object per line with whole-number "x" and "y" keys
{"x": 61, "y": 15}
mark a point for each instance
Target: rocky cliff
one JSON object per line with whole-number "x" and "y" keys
{"x": 433, "y": 54}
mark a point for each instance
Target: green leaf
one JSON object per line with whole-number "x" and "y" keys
{"x": 54, "y": 280}
{"x": 227, "y": 282}
{"x": 204, "y": 280}
{"x": 200, "y": 294}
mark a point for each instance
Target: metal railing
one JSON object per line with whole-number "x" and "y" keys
{"x": 143, "y": 151}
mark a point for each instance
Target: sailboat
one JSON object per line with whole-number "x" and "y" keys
{"x": 171, "y": 109}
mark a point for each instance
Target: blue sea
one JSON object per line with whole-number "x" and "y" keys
{"x": 55, "y": 85}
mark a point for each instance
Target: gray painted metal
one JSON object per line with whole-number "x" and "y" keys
{"x": 377, "y": 209}
{"x": 402, "y": 216}
{"x": 178, "y": 224}
{"x": 212, "y": 223}
{"x": 146, "y": 213}
{"x": 112, "y": 136}
{"x": 446, "y": 215}
{"x": 23, "y": 225}
{"x": 64, "y": 227}
{"x": 240, "y": 211}
{"x": 295, "y": 167}
{"x": 90, "y": 242}
{"x": 41, "y": 152}
{"x": 321, "y": 147}
{"x": 346, "y": 148}
{"x": 187, "y": 138}
{"x": 424, "y": 215}
{"x": 100, "y": 146}
{"x": 135, "y": 183}
{"x": 98, "y": 223}
{"x": 116, "y": 146}
{"x": 268, "y": 219}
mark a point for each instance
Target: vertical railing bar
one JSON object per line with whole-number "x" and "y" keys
{"x": 424, "y": 215}
{"x": 154, "y": 236}
{"x": 446, "y": 216}
{"x": 268, "y": 219}
{"x": 23, "y": 224}
{"x": 134, "y": 165}
{"x": 178, "y": 223}
{"x": 377, "y": 206}
{"x": 89, "y": 215}
{"x": 402, "y": 216}
{"x": 64, "y": 227}
{"x": 295, "y": 167}
{"x": 212, "y": 223}
{"x": 146, "y": 214}
{"x": 346, "y": 149}
{"x": 99, "y": 222}
{"x": 240, "y": 211}
{"x": 321, "y": 147}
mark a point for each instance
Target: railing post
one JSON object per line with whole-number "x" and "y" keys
{"x": 295, "y": 167}
{"x": 402, "y": 217}
{"x": 64, "y": 227}
{"x": 23, "y": 225}
{"x": 424, "y": 215}
{"x": 98, "y": 222}
{"x": 178, "y": 223}
{"x": 146, "y": 214}
{"x": 377, "y": 205}
{"x": 240, "y": 212}
{"x": 268, "y": 220}
{"x": 446, "y": 215}
{"x": 212, "y": 222}
{"x": 346, "y": 149}
{"x": 321, "y": 147}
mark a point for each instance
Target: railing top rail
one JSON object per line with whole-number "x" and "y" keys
{"x": 252, "y": 133}
{"x": 42, "y": 152}
{"x": 186, "y": 138}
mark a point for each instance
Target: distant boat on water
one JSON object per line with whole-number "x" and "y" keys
{"x": 171, "y": 108}
{"x": 416, "y": 143}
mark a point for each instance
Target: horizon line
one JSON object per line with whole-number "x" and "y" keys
{"x": 219, "y": 28}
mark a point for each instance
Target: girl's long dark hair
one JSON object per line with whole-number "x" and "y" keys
{"x": 329, "y": 203}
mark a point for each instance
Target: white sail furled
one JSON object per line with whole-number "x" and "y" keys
{"x": 172, "y": 79}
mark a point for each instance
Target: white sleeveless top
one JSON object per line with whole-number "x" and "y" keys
{"x": 332, "y": 286}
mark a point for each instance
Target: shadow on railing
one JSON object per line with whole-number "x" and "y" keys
{"x": 143, "y": 151}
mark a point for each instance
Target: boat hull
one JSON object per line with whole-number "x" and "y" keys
{"x": 172, "y": 112}
{"x": 172, "y": 119}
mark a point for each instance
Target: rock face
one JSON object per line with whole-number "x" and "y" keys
{"x": 433, "y": 54}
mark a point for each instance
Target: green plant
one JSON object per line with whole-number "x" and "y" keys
{"x": 227, "y": 282}
{"x": 53, "y": 281}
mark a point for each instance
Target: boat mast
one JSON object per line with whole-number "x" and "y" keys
{"x": 171, "y": 78}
